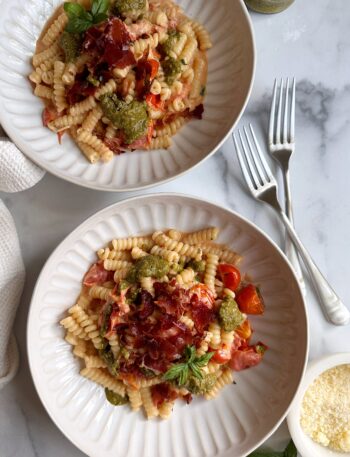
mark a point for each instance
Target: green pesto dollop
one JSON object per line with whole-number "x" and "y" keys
{"x": 170, "y": 42}
{"x": 112, "y": 108}
{"x": 172, "y": 68}
{"x": 105, "y": 319}
{"x": 196, "y": 265}
{"x": 135, "y": 121}
{"x": 131, "y": 118}
{"x": 177, "y": 267}
{"x": 115, "y": 398}
{"x": 70, "y": 43}
{"x": 148, "y": 266}
{"x": 202, "y": 386}
{"x": 126, "y": 6}
{"x": 230, "y": 316}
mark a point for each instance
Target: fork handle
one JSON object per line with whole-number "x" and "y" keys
{"x": 290, "y": 250}
{"x": 335, "y": 311}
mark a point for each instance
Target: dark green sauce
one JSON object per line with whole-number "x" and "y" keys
{"x": 131, "y": 118}
{"x": 70, "y": 43}
{"x": 115, "y": 398}
{"x": 229, "y": 315}
{"x": 148, "y": 266}
{"x": 125, "y": 6}
{"x": 172, "y": 68}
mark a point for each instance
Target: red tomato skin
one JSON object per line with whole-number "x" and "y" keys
{"x": 221, "y": 355}
{"x": 245, "y": 330}
{"x": 155, "y": 101}
{"x": 249, "y": 301}
{"x": 230, "y": 276}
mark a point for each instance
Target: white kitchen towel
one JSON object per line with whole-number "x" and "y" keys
{"x": 17, "y": 173}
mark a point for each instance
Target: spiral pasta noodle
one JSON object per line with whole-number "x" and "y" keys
{"x": 55, "y": 30}
{"x": 104, "y": 379}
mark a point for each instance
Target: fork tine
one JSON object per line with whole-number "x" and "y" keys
{"x": 286, "y": 113}
{"x": 272, "y": 112}
{"x": 248, "y": 178}
{"x": 265, "y": 165}
{"x": 279, "y": 114}
{"x": 262, "y": 175}
{"x": 251, "y": 167}
{"x": 292, "y": 114}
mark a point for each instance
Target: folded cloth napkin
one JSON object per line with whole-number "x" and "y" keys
{"x": 16, "y": 173}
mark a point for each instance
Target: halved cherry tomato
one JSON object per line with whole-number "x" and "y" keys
{"x": 244, "y": 330}
{"x": 230, "y": 276}
{"x": 153, "y": 67}
{"x": 249, "y": 300}
{"x": 222, "y": 355}
{"x": 155, "y": 101}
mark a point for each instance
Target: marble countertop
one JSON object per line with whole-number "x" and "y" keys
{"x": 310, "y": 41}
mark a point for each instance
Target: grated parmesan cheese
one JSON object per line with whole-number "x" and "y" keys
{"x": 325, "y": 410}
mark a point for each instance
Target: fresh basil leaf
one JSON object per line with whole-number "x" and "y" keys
{"x": 291, "y": 450}
{"x": 174, "y": 372}
{"x": 78, "y": 25}
{"x": 195, "y": 370}
{"x": 99, "y": 18}
{"x": 73, "y": 9}
{"x": 190, "y": 353}
{"x": 183, "y": 376}
{"x": 203, "y": 360}
{"x": 99, "y": 6}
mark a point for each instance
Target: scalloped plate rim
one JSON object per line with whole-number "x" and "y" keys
{"x": 165, "y": 195}
{"x": 8, "y": 128}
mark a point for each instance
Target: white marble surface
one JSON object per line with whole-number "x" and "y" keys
{"x": 310, "y": 41}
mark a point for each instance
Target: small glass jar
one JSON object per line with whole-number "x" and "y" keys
{"x": 268, "y": 6}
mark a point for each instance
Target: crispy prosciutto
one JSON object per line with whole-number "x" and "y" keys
{"x": 242, "y": 359}
{"x": 161, "y": 393}
{"x": 97, "y": 275}
{"x": 109, "y": 43}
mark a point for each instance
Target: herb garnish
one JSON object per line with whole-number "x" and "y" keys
{"x": 290, "y": 451}
{"x": 191, "y": 366}
{"x": 80, "y": 19}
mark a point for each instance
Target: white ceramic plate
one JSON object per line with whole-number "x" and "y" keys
{"x": 230, "y": 77}
{"x": 231, "y": 425}
{"x": 306, "y": 446}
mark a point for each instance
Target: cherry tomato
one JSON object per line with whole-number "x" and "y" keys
{"x": 244, "y": 330}
{"x": 153, "y": 66}
{"x": 249, "y": 300}
{"x": 230, "y": 276}
{"x": 155, "y": 101}
{"x": 222, "y": 355}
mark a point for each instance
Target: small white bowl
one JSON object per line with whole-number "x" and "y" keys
{"x": 305, "y": 445}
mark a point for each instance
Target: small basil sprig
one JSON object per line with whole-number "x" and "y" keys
{"x": 80, "y": 19}
{"x": 191, "y": 366}
{"x": 290, "y": 451}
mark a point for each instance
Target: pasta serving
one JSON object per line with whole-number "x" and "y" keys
{"x": 164, "y": 317}
{"x": 120, "y": 75}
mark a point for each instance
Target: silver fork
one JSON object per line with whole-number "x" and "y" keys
{"x": 281, "y": 145}
{"x": 263, "y": 186}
